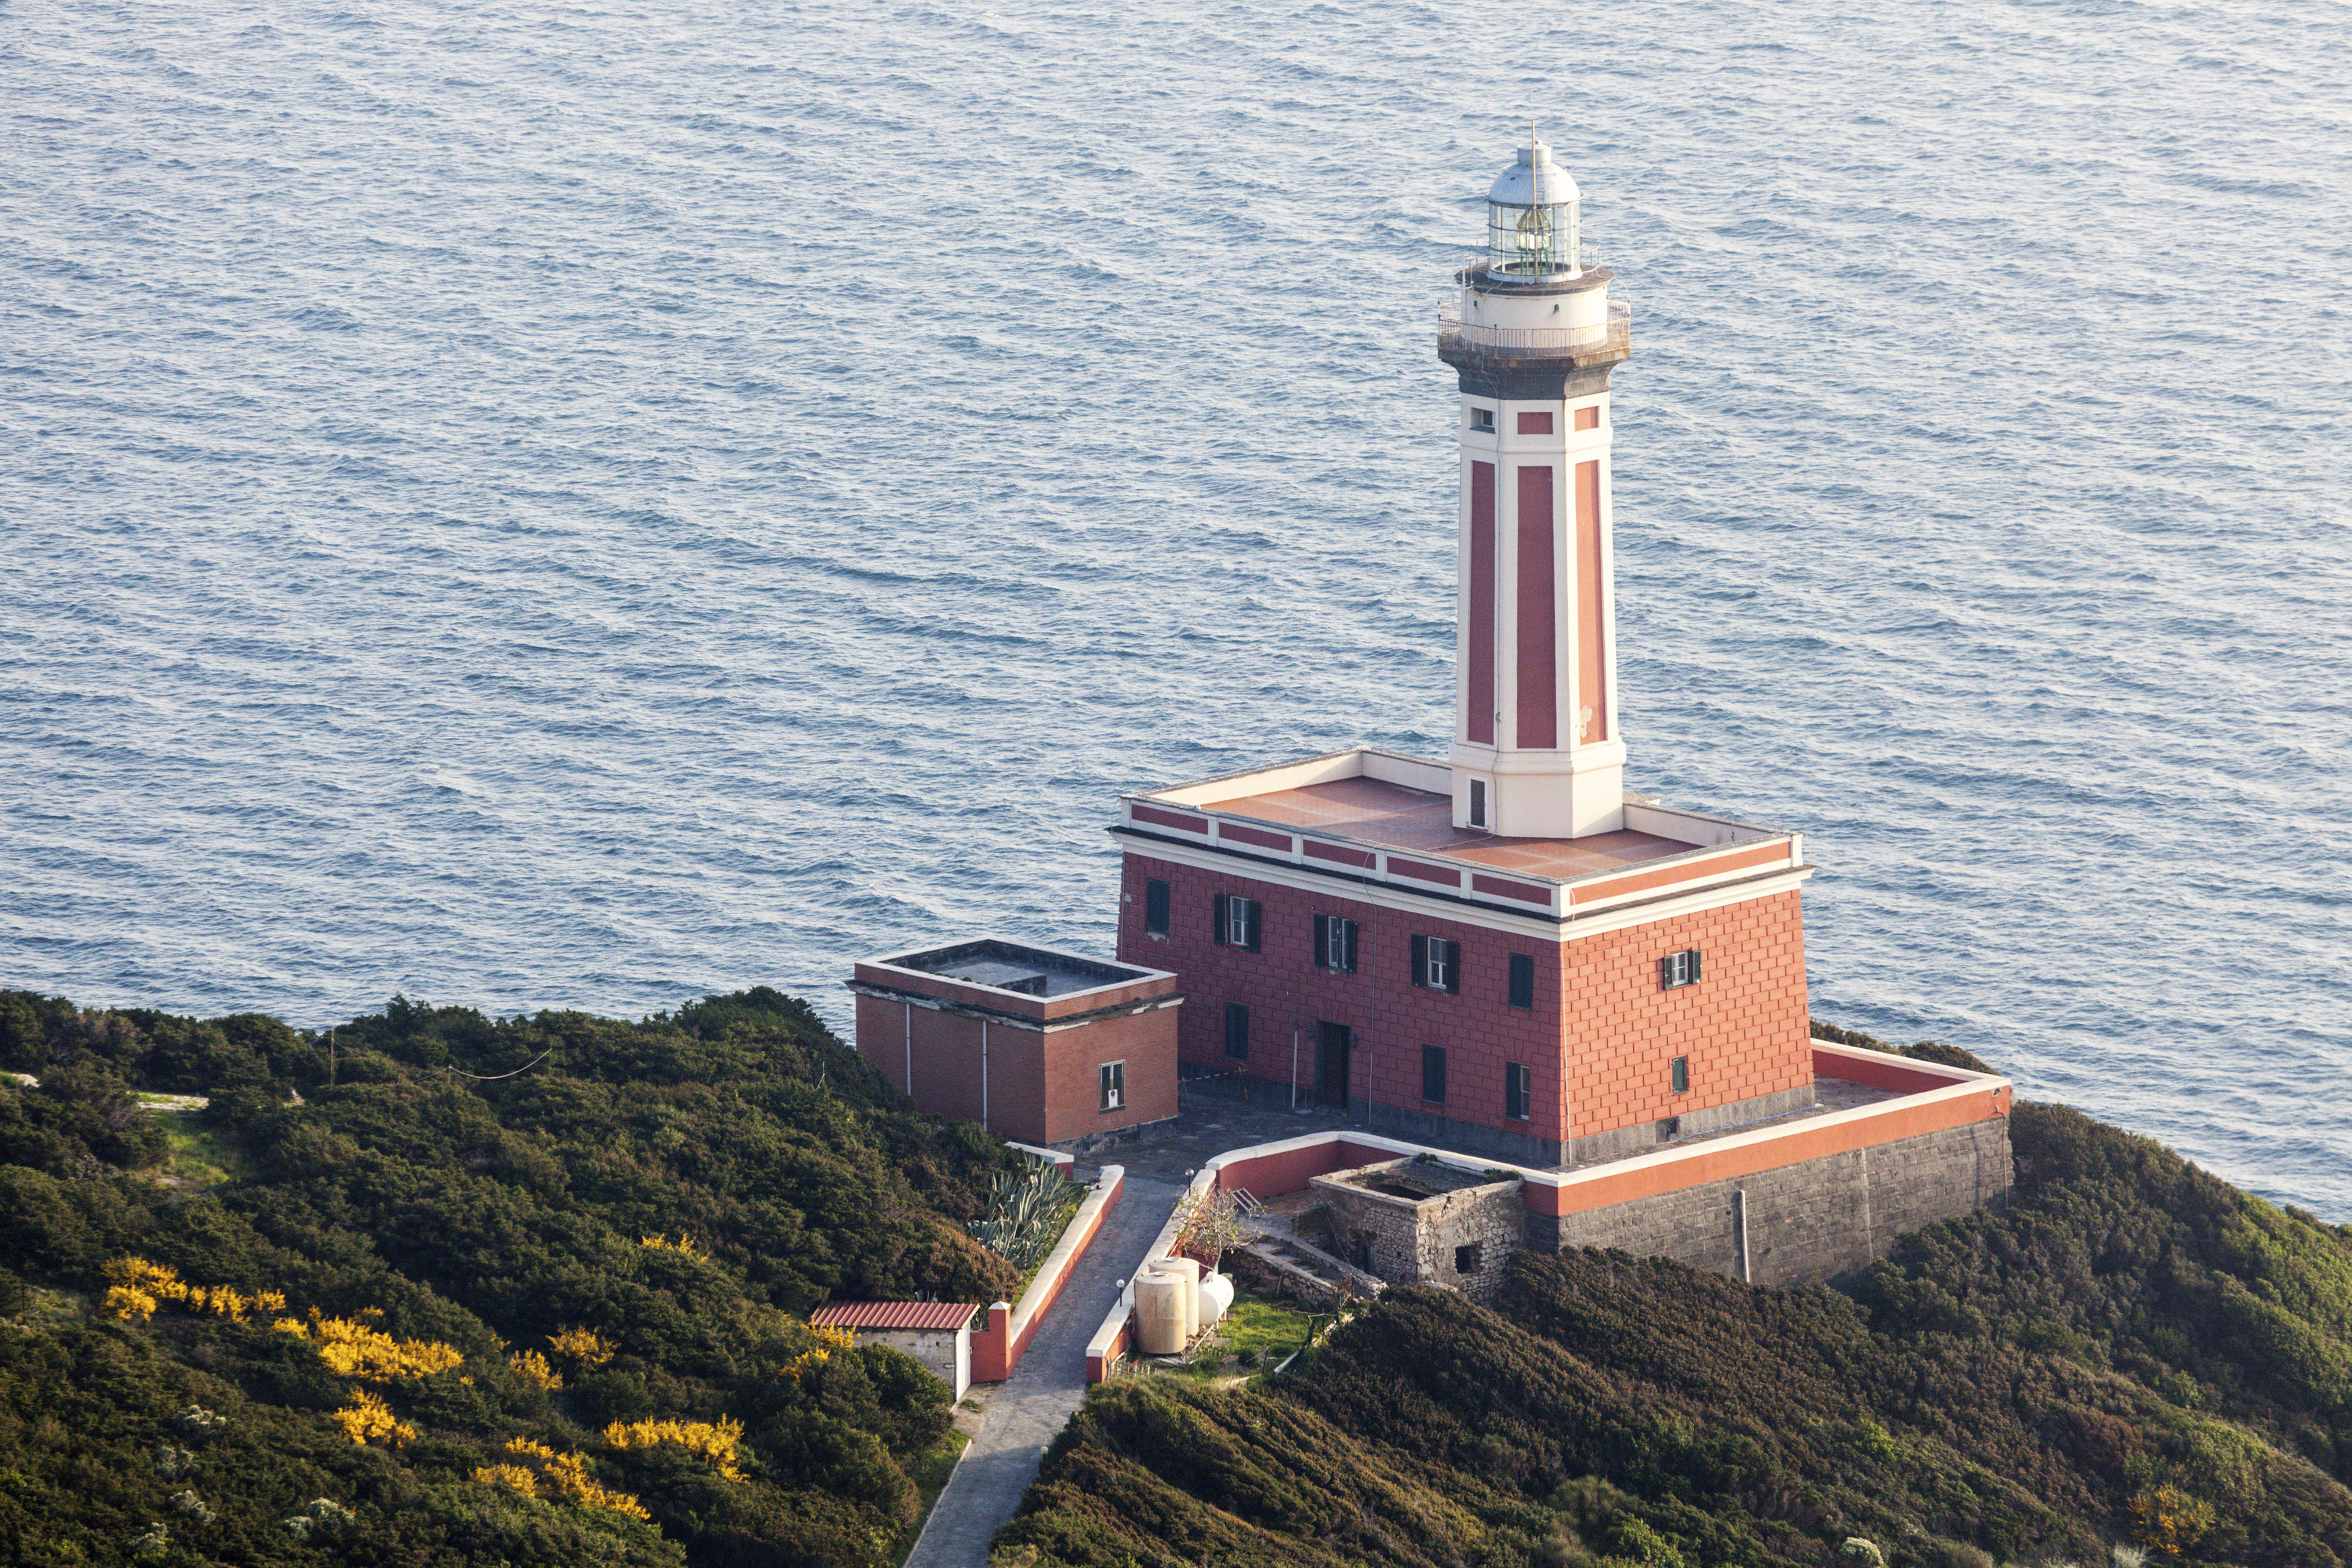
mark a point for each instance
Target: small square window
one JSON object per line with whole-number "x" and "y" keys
{"x": 1465, "y": 1259}
{"x": 1155, "y": 908}
{"x": 1682, "y": 1075}
{"x": 1589, "y": 418}
{"x": 1523, "y": 980}
{"x": 1519, "y": 1090}
{"x": 1237, "y": 1031}
{"x": 1678, "y": 969}
{"x": 1433, "y": 1074}
{"x": 1114, "y": 1085}
{"x": 1482, "y": 419}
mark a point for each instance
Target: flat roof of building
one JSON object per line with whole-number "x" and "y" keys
{"x": 1399, "y": 817}
{"x": 1034, "y": 981}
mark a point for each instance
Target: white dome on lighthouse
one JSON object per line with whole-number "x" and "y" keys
{"x": 1532, "y": 227}
{"x": 1534, "y": 181}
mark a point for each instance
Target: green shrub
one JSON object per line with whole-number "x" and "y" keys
{"x": 473, "y": 1211}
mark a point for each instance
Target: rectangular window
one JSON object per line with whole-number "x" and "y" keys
{"x": 1523, "y": 980}
{"x": 1678, "y": 969}
{"x": 1519, "y": 1090}
{"x": 1114, "y": 1085}
{"x": 1589, "y": 418}
{"x": 1482, "y": 419}
{"x": 1237, "y": 1031}
{"x": 1433, "y": 1074}
{"x": 1155, "y": 908}
{"x": 1234, "y": 923}
{"x": 1477, "y": 802}
{"x": 1335, "y": 943}
{"x": 1465, "y": 1259}
{"x": 1436, "y": 964}
{"x": 1536, "y": 423}
{"x": 1682, "y": 1075}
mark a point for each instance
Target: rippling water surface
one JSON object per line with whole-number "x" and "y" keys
{"x": 564, "y": 505}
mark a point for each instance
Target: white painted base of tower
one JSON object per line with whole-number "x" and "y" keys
{"x": 1543, "y": 794}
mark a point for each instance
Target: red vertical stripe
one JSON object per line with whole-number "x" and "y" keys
{"x": 1539, "y": 651}
{"x": 1592, "y": 599}
{"x": 1478, "y": 654}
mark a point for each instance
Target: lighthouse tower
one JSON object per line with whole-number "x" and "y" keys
{"x": 1536, "y": 749}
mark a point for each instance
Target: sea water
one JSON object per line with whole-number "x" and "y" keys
{"x": 575, "y": 506}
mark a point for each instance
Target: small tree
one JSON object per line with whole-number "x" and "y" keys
{"x": 1211, "y": 1224}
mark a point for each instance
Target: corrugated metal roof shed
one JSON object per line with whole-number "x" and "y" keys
{"x": 894, "y": 1314}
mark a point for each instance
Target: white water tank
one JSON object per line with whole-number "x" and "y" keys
{"x": 1189, "y": 1269}
{"x": 1216, "y": 1296}
{"x": 1160, "y": 1311}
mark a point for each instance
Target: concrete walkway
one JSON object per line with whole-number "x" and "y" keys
{"x": 1037, "y": 1401}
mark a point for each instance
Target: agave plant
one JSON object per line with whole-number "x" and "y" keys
{"x": 1026, "y": 1211}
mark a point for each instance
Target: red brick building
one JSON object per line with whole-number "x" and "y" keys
{"x": 1033, "y": 1043}
{"x": 1506, "y": 950}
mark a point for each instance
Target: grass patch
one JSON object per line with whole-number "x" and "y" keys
{"x": 931, "y": 1475}
{"x": 1257, "y": 1324}
{"x": 194, "y": 1156}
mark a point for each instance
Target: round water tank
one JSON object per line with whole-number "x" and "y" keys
{"x": 1160, "y": 1312}
{"x": 1190, "y": 1268}
{"x": 1216, "y": 1296}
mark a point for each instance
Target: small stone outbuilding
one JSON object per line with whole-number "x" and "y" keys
{"x": 1426, "y": 1220}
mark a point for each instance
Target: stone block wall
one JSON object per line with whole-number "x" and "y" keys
{"x": 1458, "y": 1237}
{"x": 1806, "y": 1222}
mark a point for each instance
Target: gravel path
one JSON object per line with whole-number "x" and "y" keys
{"x": 1048, "y": 1386}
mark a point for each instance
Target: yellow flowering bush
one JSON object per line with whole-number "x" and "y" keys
{"x": 566, "y": 1475}
{"x": 715, "y": 1443}
{"x": 367, "y": 1416}
{"x": 354, "y": 1350}
{"x": 684, "y": 1246}
{"x": 584, "y": 1346}
{"x": 533, "y": 1369}
{"x": 829, "y": 1339}
{"x": 135, "y": 1288}
{"x": 511, "y": 1476}
{"x": 2169, "y": 1519}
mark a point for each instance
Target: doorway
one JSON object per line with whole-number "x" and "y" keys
{"x": 1332, "y": 1041}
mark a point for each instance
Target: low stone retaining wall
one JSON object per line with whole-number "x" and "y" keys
{"x": 997, "y": 1349}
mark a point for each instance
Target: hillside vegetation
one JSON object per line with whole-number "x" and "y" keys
{"x": 464, "y": 1290}
{"x": 2132, "y": 1353}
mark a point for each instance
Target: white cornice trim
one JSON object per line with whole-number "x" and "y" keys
{"x": 1613, "y": 916}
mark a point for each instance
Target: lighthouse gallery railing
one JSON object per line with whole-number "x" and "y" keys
{"x": 1613, "y": 340}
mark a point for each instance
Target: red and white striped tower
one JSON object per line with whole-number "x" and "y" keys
{"x": 1533, "y": 337}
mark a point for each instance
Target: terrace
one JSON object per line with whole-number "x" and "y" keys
{"x": 1390, "y": 818}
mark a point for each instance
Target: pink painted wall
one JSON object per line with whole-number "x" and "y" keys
{"x": 997, "y": 1349}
